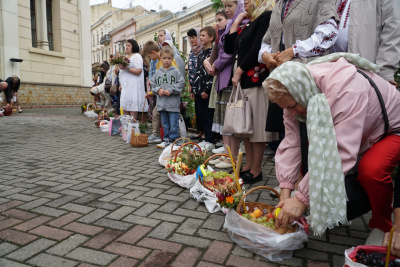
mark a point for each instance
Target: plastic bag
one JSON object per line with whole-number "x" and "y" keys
{"x": 186, "y": 181}
{"x": 182, "y": 126}
{"x": 261, "y": 240}
{"x": 115, "y": 124}
{"x": 166, "y": 155}
{"x": 129, "y": 133}
{"x": 203, "y": 195}
{"x": 104, "y": 128}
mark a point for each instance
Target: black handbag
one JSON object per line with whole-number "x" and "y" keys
{"x": 357, "y": 200}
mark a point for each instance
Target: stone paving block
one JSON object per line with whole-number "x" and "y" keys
{"x": 87, "y": 265}
{"x": 154, "y": 193}
{"x": 84, "y": 229}
{"x": 190, "y": 240}
{"x": 190, "y": 226}
{"x": 66, "y": 246}
{"x": 169, "y": 207}
{"x": 214, "y": 222}
{"x": 10, "y": 204}
{"x": 11, "y": 192}
{"x": 65, "y": 219}
{"x": 77, "y": 208}
{"x": 157, "y": 258}
{"x": 49, "y": 211}
{"x": 217, "y": 252}
{"x": 141, "y": 220}
{"x": 60, "y": 201}
{"x": 239, "y": 262}
{"x": 103, "y": 239}
{"x": 113, "y": 224}
{"x": 164, "y": 230}
{"x": 191, "y": 204}
{"x": 208, "y": 264}
{"x": 217, "y": 235}
{"x": 71, "y": 192}
{"x": 338, "y": 260}
{"x": 34, "y": 204}
{"x": 349, "y": 241}
{"x": 35, "y": 222}
{"x": 167, "y": 217}
{"x": 135, "y": 234}
{"x": 17, "y": 237}
{"x": 159, "y": 244}
{"x": 22, "y": 197}
{"x": 190, "y": 213}
{"x": 151, "y": 200}
{"x": 326, "y": 247}
{"x": 19, "y": 214}
{"x": 50, "y": 232}
{"x": 311, "y": 254}
{"x": 91, "y": 256}
{"x": 99, "y": 191}
{"x": 120, "y": 213}
{"x": 146, "y": 209}
{"x": 6, "y": 248}
{"x": 174, "y": 198}
{"x": 9, "y": 263}
{"x": 127, "y": 250}
{"x": 93, "y": 216}
{"x": 46, "y": 260}
{"x": 103, "y": 205}
{"x": 81, "y": 186}
{"x": 32, "y": 249}
{"x": 125, "y": 262}
{"x": 241, "y": 252}
{"x": 187, "y": 258}
{"x": 47, "y": 194}
{"x": 110, "y": 197}
{"x": 127, "y": 202}
{"x": 9, "y": 222}
{"x": 311, "y": 263}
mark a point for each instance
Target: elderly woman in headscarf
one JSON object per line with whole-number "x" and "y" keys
{"x": 344, "y": 120}
{"x": 244, "y": 42}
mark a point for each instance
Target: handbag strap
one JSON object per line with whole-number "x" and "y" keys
{"x": 303, "y": 127}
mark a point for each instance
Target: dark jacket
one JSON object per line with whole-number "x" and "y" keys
{"x": 203, "y": 81}
{"x": 11, "y": 89}
{"x": 245, "y": 47}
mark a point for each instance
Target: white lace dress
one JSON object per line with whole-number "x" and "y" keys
{"x": 133, "y": 92}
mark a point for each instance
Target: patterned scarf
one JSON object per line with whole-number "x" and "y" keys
{"x": 327, "y": 191}
{"x": 197, "y": 48}
{"x": 257, "y": 7}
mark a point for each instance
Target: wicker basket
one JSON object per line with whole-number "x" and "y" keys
{"x": 7, "y": 111}
{"x": 211, "y": 188}
{"x": 173, "y": 153}
{"x": 182, "y": 146}
{"x": 252, "y": 205}
{"x": 140, "y": 140}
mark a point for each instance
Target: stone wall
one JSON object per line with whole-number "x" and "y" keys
{"x": 45, "y": 95}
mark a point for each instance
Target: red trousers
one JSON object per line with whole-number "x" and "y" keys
{"x": 374, "y": 171}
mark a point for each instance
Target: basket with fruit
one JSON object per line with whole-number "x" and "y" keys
{"x": 170, "y": 151}
{"x": 183, "y": 166}
{"x": 261, "y": 213}
{"x": 370, "y": 256}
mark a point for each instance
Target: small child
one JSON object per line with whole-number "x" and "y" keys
{"x": 168, "y": 84}
{"x": 202, "y": 86}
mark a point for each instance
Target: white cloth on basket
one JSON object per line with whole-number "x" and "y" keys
{"x": 133, "y": 91}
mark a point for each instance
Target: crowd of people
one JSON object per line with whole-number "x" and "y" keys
{"x": 298, "y": 64}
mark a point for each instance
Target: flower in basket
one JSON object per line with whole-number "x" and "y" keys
{"x": 83, "y": 107}
{"x": 110, "y": 114}
{"x": 187, "y": 162}
{"x": 120, "y": 59}
{"x": 97, "y": 111}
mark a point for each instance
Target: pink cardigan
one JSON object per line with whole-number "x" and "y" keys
{"x": 357, "y": 117}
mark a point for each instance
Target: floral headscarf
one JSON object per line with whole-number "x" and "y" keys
{"x": 257, "y": 7}
{"x": 327, "y": 192}
{"x": 197, "y": 48}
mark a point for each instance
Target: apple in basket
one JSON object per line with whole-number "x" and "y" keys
{"x": 102, "y": 123}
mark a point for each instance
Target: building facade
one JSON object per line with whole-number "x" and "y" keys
{"x": 52, "y": 38}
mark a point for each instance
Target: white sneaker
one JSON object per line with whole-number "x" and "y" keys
{"x": 375, "y": 238}
{"x": 163, "y": 144}
{"x": 219, "y": 143}
{"x": 218, "y": 160}
{"x": 223, "y": 165}
{"x": 154, "y": 139}
{"x": 218, "y": 150}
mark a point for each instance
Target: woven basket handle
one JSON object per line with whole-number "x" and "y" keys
{"x": 182, "y": 138}
{"x": 142, "y": 143}
{"x": 252, "y": 190}
{"x": 186, "y": 144}
{"x": 87, "y": 106}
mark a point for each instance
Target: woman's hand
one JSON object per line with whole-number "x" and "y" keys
{"x": 291, "y": 210}
{"x": 395, "y": 249}
{"x": 237, "y": 76}
{"x": 192, "y": 96}
{"x": 120, "y": 88}
{"x": 208, "y": 67}
{"x": 204, "y": 95}
{"x": 286, "y": 55}
{"x": 269, "y": 60}
{"x": 241, "y": 17}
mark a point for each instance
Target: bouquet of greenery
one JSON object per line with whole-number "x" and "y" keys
{"x": 187, "y": 162}
{"x": 120, "y": 59}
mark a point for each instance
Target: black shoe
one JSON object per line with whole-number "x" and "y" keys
{"x": 248, "y": 178}
{"x": 242, "y": 173}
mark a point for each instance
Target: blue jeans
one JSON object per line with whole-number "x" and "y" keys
{"x": 170, "y": 124}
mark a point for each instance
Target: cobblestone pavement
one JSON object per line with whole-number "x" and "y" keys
{"x": 73, "y": 196}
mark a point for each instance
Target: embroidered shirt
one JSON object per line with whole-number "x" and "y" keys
{"x": 342, "y": 42}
